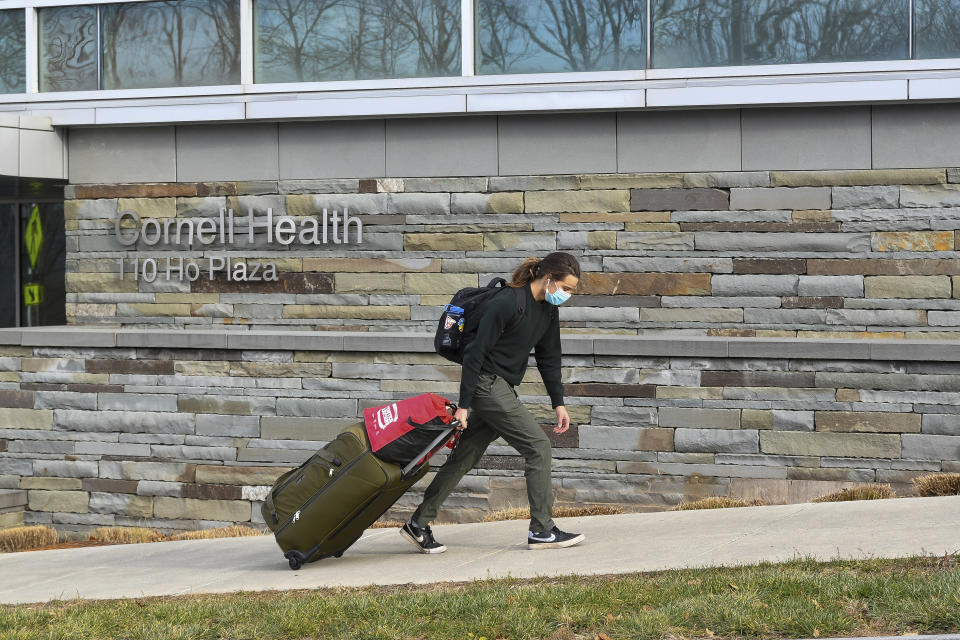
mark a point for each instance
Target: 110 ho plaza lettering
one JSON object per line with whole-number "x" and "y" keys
{"x": 206, "y": 231}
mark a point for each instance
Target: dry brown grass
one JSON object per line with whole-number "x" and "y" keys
{"x": 865, "y": 492}
{"x": 938, "y": 484}
{"x": 234, "y": 531}
{"x": 126, "y": 535}
{"x": 387, "y": 524}
{"x": 23, "y": 538}
{"x": 30, "y": 538}
{"x": 717, "y": 502}
{"x": 523, "y": 513}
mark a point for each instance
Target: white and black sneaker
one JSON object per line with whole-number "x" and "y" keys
{"x": 421, "y": 538}
{"x": 553, "y": 539}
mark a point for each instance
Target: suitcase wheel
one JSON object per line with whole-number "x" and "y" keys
{"x": 295, "y": 558}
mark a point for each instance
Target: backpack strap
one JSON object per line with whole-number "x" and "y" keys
{"x": 521, "y": 308}
{"x": 521, "y": 301}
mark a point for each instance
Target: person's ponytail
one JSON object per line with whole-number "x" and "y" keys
{"x": 557, "y": 264}
{"x": 528, "y": 270}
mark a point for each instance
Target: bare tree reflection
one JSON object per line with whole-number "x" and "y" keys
{"x": 937, "y": 28}
{"x": 553, "y": 35}
{"x": 737, "y": 32}
{"x": 502, "y": 44}
{"x": 433, "y": 26}
{"x": 288, "y": 38}
{"x": 68, "y": 48}
{"x": 223, "y": 16}
{"x": 171, "y": 43}
{"x": 301, "y": 41}
{"x": 12, "y": 52}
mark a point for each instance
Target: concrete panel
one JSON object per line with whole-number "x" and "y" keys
{"x": 38, "y": 123}
{"x": 201, "y": 112}
{"x": 207, "y": 339}
{"x": 555, "y": 100}
{"x": 269, "y": 340}
{"x": 916, "y": 136}
{"x": 122, "y": 154}
{"x": 562, "y": 143}
{"x": 380, "y": 341}
{"x": 355, "y": 107}
{"x": 9, "y": 140}
{"x": 41, "y": 154}
{"x": 807, "y": 138}
{"x": 227, "y": 152}
{"x": 679, "y": 141}
{"x": 713, "y": 94}
{"x": 65, "y": 117}
{"x": 336, "y": 149}
{"x": 456, "y": 146}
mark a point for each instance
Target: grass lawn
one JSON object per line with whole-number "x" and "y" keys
{"x": 797, "y": 599}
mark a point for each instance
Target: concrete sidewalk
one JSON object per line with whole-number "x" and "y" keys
{"x": 614, "y": 544}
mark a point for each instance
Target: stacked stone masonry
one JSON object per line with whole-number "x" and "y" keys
{"x": 816, "y": 254}
{"x": 179, "y": 438}
{"x": 12, "y": 505}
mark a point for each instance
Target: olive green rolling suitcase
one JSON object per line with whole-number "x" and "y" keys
{"x": 322, "y": 507}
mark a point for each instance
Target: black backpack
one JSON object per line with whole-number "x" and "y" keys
{"x": 461, "y": 317}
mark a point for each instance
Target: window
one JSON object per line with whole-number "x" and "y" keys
{"x": 68, "y": 48}
{"x": 170, "y": 44}
{"x": 537, "y": 36}
{"x": 182, "y": 43}
{"x": 707, "y": 33}
{"x": 12, "y": 52}
{"x": 316, "y": 40}
{"x": 153, "y": 44}
{"x": 937, "y": 28}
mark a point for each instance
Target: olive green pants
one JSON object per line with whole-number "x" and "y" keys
{"x": 496, "y": 411}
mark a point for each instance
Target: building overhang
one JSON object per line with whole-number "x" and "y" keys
{"x": 33, "y": 150}
{"x": 825, "y": 84}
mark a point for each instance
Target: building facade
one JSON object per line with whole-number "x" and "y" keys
{"x": 250, "y": 213}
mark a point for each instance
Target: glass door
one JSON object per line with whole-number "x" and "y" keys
{"x": 42, "y": 264}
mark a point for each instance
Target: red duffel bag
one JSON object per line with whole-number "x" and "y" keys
{"x": 399, "y": 432}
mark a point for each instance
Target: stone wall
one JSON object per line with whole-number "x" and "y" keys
{"x": 817, "y": 254}
{"x": 12, "y": 504}
{"x": 188, "y": 429}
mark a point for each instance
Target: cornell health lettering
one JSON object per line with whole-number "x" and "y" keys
{"x": 326, "y": 227}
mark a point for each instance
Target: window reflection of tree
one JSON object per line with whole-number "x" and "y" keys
{"x": 69, "y": 49}
{"x": 288, "y": 39}
{"x": 434, "y": 25}
{"x": 736, "y": 32}
{"x": 12, "y": 47}
{"x": 365, "y": 44}
{"x": 224, "y": 17}
{"x": 937, "y": 28}
{"x": 350, "y": 39}
{"x": 502, "y": 44}
{"x": 178, "y": 43}
{"x": 583, "y": 34}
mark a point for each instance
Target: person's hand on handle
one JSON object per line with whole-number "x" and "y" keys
{"x": 461, "y": 415}
{"x": 563, "y": 420}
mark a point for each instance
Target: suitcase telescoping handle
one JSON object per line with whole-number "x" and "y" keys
{"x": 437, "y": 442}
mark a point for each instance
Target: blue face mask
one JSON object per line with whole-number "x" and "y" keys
{"x": 557, "y": 297}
